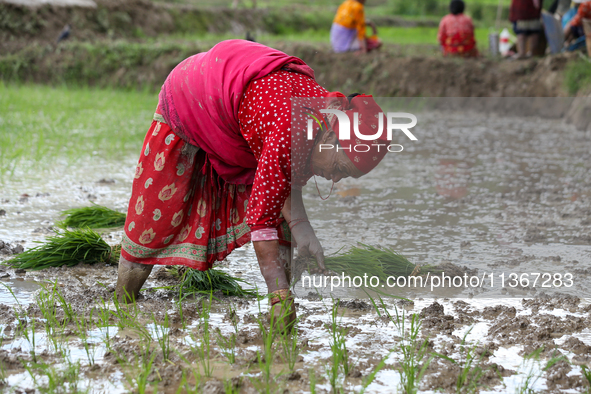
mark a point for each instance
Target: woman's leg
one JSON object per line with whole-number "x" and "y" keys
{"x": 533, "y": 40}
{"x": 274, "y": 260}
{"x": 130, "y": 279}
{"x": 521, "y": 45}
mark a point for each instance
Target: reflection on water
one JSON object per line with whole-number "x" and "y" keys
{"x": 490, "y": 193}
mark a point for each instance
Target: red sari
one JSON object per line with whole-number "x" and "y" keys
{"x": 182, "y": 211}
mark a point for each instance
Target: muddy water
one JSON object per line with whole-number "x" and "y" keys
{"x": 494, "y": 194}
{"x": 475, "y": 190}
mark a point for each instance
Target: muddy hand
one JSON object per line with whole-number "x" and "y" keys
{"x": 308, "y": 244}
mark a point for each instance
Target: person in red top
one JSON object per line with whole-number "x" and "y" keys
{"x": 527, "y": 25}
{"x": 220, "y": 167}
{"x": 456, "y": 32}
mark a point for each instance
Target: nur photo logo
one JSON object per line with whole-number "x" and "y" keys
{"x": 364, "y": 142}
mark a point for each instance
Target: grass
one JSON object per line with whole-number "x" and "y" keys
{"x": 95, "y": 216}
{"x": 66, "y": 248}
{"x": 577, "y": 76}
{"x": 40, "y": 124}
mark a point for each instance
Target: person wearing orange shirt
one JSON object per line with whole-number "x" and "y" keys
{"x": 574, "y": 28}
{"x": 348, "y": 32}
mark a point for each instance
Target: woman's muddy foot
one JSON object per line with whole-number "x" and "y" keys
{"x": 283, "y": 313}
{"x": 130, "y": 279}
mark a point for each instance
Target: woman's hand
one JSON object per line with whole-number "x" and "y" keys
{"x": 307, "y": 242}
{"x": 301, "y": 230}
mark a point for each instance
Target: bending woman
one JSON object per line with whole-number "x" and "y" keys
{"x": 216, "y": 167}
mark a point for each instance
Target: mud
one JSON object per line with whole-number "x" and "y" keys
{"x": 445, "y": 323}
{"x": 8, "y": 249}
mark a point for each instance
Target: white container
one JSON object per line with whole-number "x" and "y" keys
{"x": 504, "y": 42}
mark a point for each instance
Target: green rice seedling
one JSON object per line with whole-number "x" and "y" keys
{"x": 144, "y": 373}
{"x": 289, "y": 346}
{"x": 533, "y": 359}
{"x": 185, "y": 387}
{"x": 104, "y": 316}
{"x": 312, "y": 377}
{"x": 57, "y": 379}
{"x": 266, "y": 357}
{"x": 371, "y": 261}
{"x": 470, "y": 367}
{"x": 586, "y": 372}
{"x": 340, "y": 357}
{"x": 66, "y": 248}
{"x": 163, "y": 336}
{"x": 126, "y": 314}
{"x": 2, "y": 368}
{"x": 415, "y": 354}
{"x": 230, "y": 387}
{"x": 179, "y": 305}
{"x": 23, "y": 325}
{"x": 183, "y": 384}
{"x": 204, "y": 282}
{"x": 138, "y": 376}
{"x": 83, "y": 326}
{"x": 46, "y": 304}
{"x": 103, "y": 124}
{"x": 66, "y": 307}
{"x": 95, "y": 216}
{"x": 371, "y": 377}
{"x": 204, "y": 347}
{"x": 228, "y": 344}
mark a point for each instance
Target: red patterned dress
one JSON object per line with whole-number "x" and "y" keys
{"x": 456, "y": 36}
{"x": 182, "y": 213}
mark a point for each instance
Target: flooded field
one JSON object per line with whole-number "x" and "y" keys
{"x": 491, "y": 194}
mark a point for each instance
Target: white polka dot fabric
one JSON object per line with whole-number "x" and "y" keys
{"x": 265, "y": 123}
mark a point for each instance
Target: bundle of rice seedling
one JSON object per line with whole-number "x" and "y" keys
{"x": 67, "y": 248}
{"x": 95, "y": 216}
{"x": 366, "y": 259}
{"x": 193, "y": 281}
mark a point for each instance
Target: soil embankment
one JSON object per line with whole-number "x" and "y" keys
{"x": 138, "y": 65}
{"x": 112, "y": 46}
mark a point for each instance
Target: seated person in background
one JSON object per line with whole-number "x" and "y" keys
{"x": 525, "y": 16}
{"x": 348, "y": 32}
{"x": 456, "y": 32}
{"x": 573, "y": 20}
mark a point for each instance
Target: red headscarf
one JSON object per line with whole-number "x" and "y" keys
{"x": 365, "y": 155}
